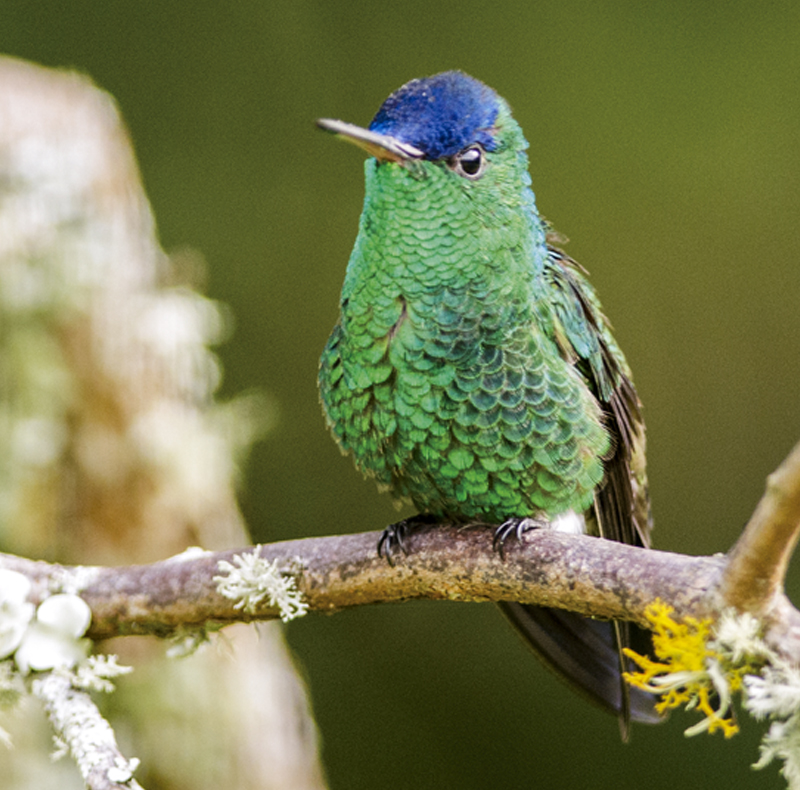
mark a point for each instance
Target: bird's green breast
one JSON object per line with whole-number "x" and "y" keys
{"x": 442, "y": 377}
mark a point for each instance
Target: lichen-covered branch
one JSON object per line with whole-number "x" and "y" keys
{"x": 88, "y": 736}
{"x": 584, "y": 574}
{"x": 579, "y": 573}
{"x": 114, "y": 447}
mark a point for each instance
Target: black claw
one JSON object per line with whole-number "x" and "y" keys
{"x": 515, "y": 527}
{"x": 394, "y": 536}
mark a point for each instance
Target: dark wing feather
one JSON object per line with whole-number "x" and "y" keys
{"x": 588, "y": 653}
{"x": 584, "y": 653}
{"x": 622, "y": 503}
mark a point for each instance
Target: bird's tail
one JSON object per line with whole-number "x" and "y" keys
{"x": 585, "y": 653}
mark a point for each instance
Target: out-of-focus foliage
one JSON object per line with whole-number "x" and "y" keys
{"x": 113, "y": 448}
{"x": 664, "y": 142}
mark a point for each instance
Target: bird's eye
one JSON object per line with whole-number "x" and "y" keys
{"x": 470, "y": 163}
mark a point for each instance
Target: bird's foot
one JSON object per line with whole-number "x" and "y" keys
{"x": 516, "y": 528}
{"x": 394, "y": 536}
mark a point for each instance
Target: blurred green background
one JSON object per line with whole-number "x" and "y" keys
{"x": 665, "y": 142}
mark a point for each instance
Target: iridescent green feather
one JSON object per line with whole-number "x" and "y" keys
{"x": 445, "y": 378}
{"x": 472, "y": 371}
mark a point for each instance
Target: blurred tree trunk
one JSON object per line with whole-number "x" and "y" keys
{"x": 112, "y": 449}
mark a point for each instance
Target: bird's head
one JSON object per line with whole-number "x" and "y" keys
{"x": 447, "y": 127}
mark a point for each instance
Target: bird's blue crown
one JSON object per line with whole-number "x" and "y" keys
{"x": 441, "y": 114}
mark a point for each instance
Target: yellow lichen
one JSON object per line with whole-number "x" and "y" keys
{"x": 689, "y": 670}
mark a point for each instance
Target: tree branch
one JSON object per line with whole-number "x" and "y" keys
{"x": 754, "y": 574}
{"x": 583, "y": 574}
{"x": 580, "y": 573}
{"x": 757, "y": 563}
{"x": 78, "y": 724}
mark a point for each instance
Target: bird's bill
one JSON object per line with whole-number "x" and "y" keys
{"x": 382, "y": 146}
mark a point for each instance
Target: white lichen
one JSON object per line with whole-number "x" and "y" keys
{"x": 12, "y": 689}
{"x": 251, "y": 580}
{"x": 186, "y": 642}
{"x": 774, "y": 694}
{"x": 12, "y": 686}
{"x": 122, "y": 770}
{"x": 189, "y": 554}
{"x": 54, "y": 637}
{"x": 782, "y": 742}
{"x": 81, "y": 730}
{"x": 98, "y": 672}
{"x": 15, "y": 611}
{"x": 738, "y": 637}
{"x": 700, "y": 662}
{"x": 60, "y": 749}
{"x": 73, "y": 579}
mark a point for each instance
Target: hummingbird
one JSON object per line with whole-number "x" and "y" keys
{"x": 472, "y": 371}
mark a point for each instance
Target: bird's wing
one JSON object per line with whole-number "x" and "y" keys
{"x": 584, "y": 336}
{"x": 588, "y": 653}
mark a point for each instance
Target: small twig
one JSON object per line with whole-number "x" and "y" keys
{"x": 754, "y": 574}
{"x": 78, "y": 724}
